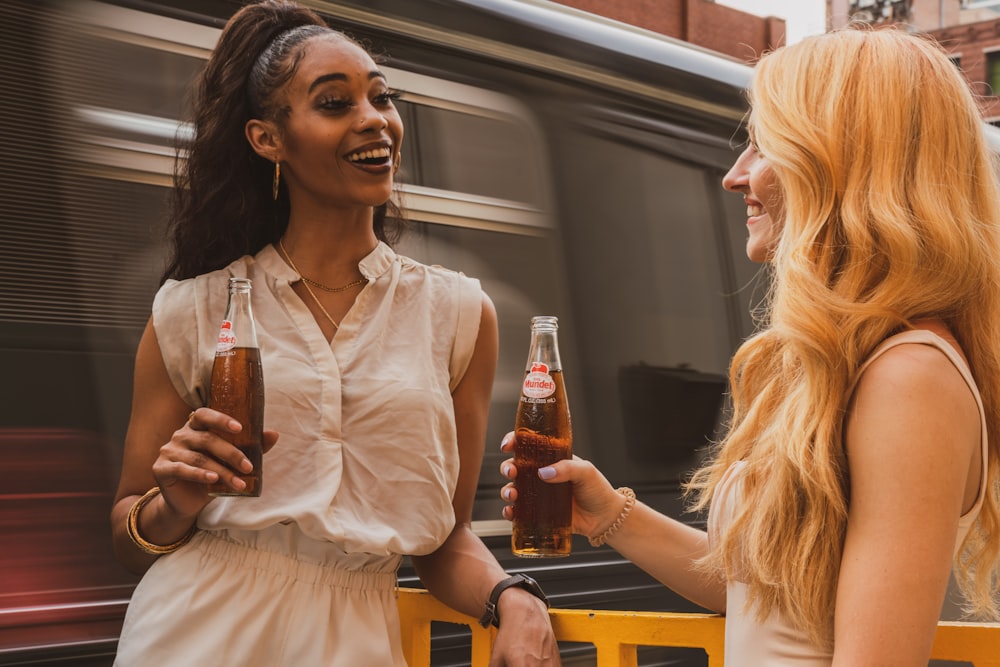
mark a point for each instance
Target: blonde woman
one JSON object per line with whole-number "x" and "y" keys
{"x": 861, "y": 459}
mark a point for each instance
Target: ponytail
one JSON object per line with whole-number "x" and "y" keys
{"x": 223, "y": 206}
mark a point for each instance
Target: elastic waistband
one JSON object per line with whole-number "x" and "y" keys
{"x": 337, "y": 569}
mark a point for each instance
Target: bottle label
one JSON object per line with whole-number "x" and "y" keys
{"x": 538, "y": 383}
{"x": 227, "y": 338}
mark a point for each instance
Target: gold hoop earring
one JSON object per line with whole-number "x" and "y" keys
{"x": 395, "y": 162}
{"x": 277, "y": 180}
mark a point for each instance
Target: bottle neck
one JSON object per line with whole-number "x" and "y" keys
{"x": 239, "y": 315}
{"x": 544, "y": 349}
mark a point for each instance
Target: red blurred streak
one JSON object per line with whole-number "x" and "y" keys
{"x": 51, "y": 496}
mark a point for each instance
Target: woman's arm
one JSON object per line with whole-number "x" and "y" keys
{"x": 164, "y": 448}
{"x": 462, "y": 571}
{"x": 663, "y": 547}
{"x": 912, "y": 437}
{"x": 666, "y": 549}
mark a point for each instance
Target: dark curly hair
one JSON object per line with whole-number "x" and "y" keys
{"x": 222, "y": 206}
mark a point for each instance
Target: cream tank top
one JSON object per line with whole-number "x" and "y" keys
{"x": 367, "y": 456}
{"x": 776, "y": 642}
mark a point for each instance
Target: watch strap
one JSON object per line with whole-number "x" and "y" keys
{"x": 492, "y": 616}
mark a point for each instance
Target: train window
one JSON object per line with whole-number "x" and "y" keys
{"x": 117, "y": 58}
{"x": 150, "y": 84}
{"x": 471, "y": 157}
{"x": 473, "y": 153}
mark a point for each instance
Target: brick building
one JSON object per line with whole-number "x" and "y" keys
{"x": 975, "y": 48}
{"x": 968, "y": 29}
{"x": 702, "y": 22}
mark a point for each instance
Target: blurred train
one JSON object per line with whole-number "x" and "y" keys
{"x": 573, "y": 164}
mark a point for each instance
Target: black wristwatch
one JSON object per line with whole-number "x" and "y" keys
{"x": 491, "y": 616}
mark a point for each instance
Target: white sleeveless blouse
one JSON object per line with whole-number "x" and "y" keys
{"x": 367, "y": 456}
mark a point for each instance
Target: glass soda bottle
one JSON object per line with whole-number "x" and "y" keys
{"x": 238, "y": 385}
{"x": 543, "y": 513}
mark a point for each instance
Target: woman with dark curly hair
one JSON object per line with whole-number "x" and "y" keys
{"x": 378, "y": 375}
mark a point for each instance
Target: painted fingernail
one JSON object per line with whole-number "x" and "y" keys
{"x": 505, "y": 441}
{"x": 505, "y": 471}
{"x": 506, "y": 494}
{"x": 548, "y": 472}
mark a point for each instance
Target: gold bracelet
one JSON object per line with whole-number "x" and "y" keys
{"x": 613, "y": 528}
{"x": 132, "y": 527}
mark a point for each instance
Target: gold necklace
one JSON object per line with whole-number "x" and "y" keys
{"x": 354, "y": 283}
{"x": 309, "y": 289}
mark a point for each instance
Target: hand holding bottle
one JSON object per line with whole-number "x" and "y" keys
{"x": 596, "y": 504}
{"x": 199, "y": 454}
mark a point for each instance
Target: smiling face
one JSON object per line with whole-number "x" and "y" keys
{"x": 752, "y": 176}
{"x": 340, "y": 130}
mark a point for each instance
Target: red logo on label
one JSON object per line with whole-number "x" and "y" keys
{"x": 227, "y": 338}
{"x": 538, "y": 383}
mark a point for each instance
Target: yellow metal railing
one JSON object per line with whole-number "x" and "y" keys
{"x": 617, "y": 634}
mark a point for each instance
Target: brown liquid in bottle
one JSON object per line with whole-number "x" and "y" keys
{"x": 543, "y": 514}
{"x": 238, "y": 391}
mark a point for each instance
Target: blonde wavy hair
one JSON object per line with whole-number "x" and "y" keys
{"x": 892, "y": 214}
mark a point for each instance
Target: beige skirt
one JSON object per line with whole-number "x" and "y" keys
{"x": 271, "y": 597}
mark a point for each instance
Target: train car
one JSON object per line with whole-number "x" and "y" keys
{"x": 571, "y": 163}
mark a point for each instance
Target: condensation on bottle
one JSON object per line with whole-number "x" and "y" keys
{"x": 237, "y": 387}
{"x": 543, "y": 434}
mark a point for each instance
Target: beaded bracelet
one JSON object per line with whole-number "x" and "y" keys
{"x": 132, "y": 527}
{"x": 613, "y": 528}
